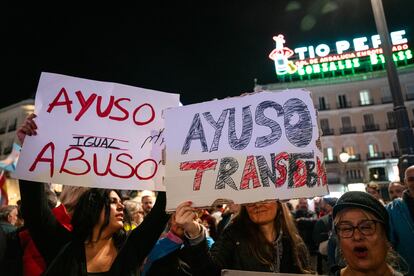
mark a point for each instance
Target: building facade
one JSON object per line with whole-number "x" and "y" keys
{"x": 11, "y": 117}
{"x": 355, "y": 116}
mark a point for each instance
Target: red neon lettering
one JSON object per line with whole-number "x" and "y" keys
{"x": 249, "y": 174}
{"x": 201, "y": 166}
{"x": 139, "y": 123}
{"x": 123, "y": 110}
{"x": 85, "y": 104}
{"x": 56, "y": 101}
{"x": 40, "y": 158}
{"x": 146, "y": 177}
{"x": 65, "y": 158}
{"x": 281, "y": 168}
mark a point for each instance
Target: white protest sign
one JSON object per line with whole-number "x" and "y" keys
{"x": 96, "y": 134}
{"x": 246, "y": 149}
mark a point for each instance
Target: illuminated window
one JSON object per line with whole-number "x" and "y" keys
{"x": 329, "y": 154}
{"x": 373, "y": 150}
{"x": 350, "y": 150}
{"x": 364, "y": 97}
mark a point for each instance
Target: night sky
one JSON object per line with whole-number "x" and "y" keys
{"x": 212, "y": 49}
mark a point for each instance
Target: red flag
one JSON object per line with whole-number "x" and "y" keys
{"x": 3, "y": 190}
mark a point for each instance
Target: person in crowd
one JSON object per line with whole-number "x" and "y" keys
{"x": 373, "y": 189}
{"x": 263, "y": 237}
{"x": 362, "y": 225}
{"x": 302, "y": 210}
{"x": 135, "y": 212}
{"x": 322, "y": 230}
{"x": 395, "y": 190}
{"x": 99, "y": 244}
{"x": 169, "y": 255}
{"x": 147, "y": 203}
{"x": 230, "y": 212}
{"x": 8, "y": 218}
{"x": 305, "y": 222}
{"x": 83, "y": 250}
{"x": 33, "y": 261}
{"x": 324, "y": 225}
{"x": 401, "y": 212}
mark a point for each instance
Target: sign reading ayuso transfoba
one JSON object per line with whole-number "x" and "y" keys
{"x": 96, "y": 134}
{"x": 246, "y": 149}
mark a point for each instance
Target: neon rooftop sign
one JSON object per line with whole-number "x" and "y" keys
{"x": 344, "y": 57}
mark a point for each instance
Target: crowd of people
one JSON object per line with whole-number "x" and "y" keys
{"x": 90, "y": 231}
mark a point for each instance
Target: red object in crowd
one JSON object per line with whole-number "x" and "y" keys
{"x": 33, "y": 262}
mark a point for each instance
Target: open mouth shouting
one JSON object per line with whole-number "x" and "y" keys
{"x": 360, "y": 251}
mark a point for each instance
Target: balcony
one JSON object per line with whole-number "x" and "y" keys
{"x": 386, "y": 99}
{"x": 376, "y": 156}
{"x": 355, "y": 158}
{"x": 372, "y": 127}
{"x": 344, "y": 105}
{"x": 391, "y": 125}
{"x": 364, "y": 103}
{"x": 347, "y": 130}
{"x": 322, "y": 107}
{"x": 328, "y": 131}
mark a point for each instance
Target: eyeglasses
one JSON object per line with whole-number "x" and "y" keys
{"x": 365, "y": 227}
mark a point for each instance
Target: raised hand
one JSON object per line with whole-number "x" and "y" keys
{"x": 28, "y": 127}
{"x": 186, "y": 217}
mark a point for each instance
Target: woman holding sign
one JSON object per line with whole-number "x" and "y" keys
{"x": 98, "y": 244}
{"x": 263, "y": 237}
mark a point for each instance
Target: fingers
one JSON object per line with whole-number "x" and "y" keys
{"x": 27, "y": 128}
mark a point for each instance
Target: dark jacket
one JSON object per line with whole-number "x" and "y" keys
{"x": 132, "y": 251}
{"x": 231, "y": 251}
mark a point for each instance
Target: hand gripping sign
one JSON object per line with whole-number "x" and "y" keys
{"x": 245, "y": 149}
{"x": 96, "y": 134}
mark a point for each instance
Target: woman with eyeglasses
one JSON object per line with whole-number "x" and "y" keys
{"x": 361, "y": 224}
{"x": 263, "y": 237}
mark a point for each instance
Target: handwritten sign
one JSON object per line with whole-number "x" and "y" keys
{"x": 96, "y": 134}
{"x": 246, "y": 149}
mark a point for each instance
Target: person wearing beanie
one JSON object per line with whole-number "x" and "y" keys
{"x": 362, "y": 226}
{"x": 401, "y": 212}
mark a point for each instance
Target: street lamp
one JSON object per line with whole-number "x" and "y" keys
{"x": 344, "y": 156}
{"x": 405, "y": 136}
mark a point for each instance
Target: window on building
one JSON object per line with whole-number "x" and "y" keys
{"x": 391, "y": 118}
{"x": 350, "y": 150}
{"x": 364, "y": 97}
{"x": 346, "y": 122}
{"x": 377, "y": 174}
{"x": 8, "y": 148}
{"x": 410, "y": 91}
{"x": 13, "y": 125}
{"x": 329, "y": 154}
{"x": 324, "y": 124}
{"x": 373, "y": 150}
{"x": 369, "y": 119}
{"x": 342, "y": 103}
{"x": 322, "y": 103}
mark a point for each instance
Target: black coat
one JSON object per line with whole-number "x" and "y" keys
{"x": 231, "y": 251}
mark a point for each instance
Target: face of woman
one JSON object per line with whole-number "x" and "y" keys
{"x": 116, "y": 215}
{"x": 262, "y": 212}
{"x": 362, "y": 252}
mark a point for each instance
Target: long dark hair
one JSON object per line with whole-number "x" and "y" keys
{"x": 88, "y": 211}
{"x": 262, "y": 249}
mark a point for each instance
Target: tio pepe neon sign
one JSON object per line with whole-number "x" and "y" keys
{"x": 321, "y": 58}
